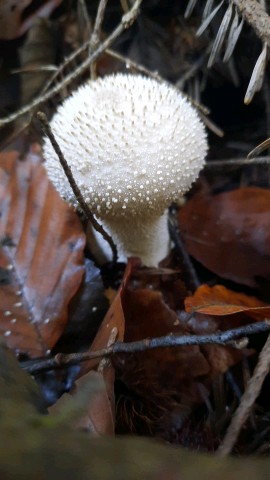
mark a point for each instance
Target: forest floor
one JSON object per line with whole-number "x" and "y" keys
{"x": 179, "y": 352}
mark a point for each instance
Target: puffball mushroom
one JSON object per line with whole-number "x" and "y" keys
{"x": 134, "y": 146}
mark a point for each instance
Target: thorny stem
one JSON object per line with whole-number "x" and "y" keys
{"x": 98, "y": 227}
{"x": 247, "y": 401}
{"x": 126, "y": 21}
{"x": 221, "y": 338}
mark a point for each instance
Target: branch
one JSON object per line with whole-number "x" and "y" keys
{"x": 86, "y": 210}
{"x": 237, "y": 162}
{"x": 222, "y": 338}
{"x": 96, "y": 34}
{"x": 254, "y": 13}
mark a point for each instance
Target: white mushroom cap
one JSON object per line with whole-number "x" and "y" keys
{"x": 134, "y": 146}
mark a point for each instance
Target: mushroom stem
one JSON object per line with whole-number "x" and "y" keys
{"x": 147, "y": 238}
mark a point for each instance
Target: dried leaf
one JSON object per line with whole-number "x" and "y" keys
{"x": 167, "y": 379}
{"x": 218, "y": 308}
{"x": 222, "y": 32}
{"x": 219, "y": 300}
{"x": 12, "y": 21}
{"x": 41, "y": 256}
{"x": 256, "y": 81}
{"x": 87, "y": 407}
{"x": 233, "y": 36}
{"x": 37, "y": 51}
{"x": 208, "y": 20}
{"x": 230, "y": 233}
{"x": 10, "y": 17}
{"x": 42, "y": 11}
{"x": 111, "y": 329}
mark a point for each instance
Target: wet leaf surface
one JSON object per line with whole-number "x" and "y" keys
{"x": 229, "y": 233}
{"x": 40, "y": 258}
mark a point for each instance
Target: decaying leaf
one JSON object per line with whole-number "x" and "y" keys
{"x": 88, "y": 407}
{"x": 230, "y": 233}
{"x": 41, "y": 256}
{"x": 221, "y": 301}
{"x": 218, "y": 308}
{"x": 10, "y": 17}
{"x": 167, "y": 379}
{"x": 37, "y": 53}
{"x": 12, "y": 22}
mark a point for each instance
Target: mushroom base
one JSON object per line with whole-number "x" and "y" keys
{"x": 147, "y": 239}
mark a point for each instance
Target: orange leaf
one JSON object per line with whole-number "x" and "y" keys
{"x": 219, "y": 300}
{"x": 41, "y": 256}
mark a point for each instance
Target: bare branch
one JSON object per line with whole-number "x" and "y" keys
{"x": 96, "y": 34}
{"x": 254, "y": 13}
{"x": 238, "y": 162}
{"x": 221, "y": 338}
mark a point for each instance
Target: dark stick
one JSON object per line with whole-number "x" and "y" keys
{"x": 187, "y": 264}
{"x": 98, "y": 227}
{"x": 221, "y": 338}
{"x": 237, "y": 162}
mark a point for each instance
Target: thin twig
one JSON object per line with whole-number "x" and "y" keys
{"x": 221, "y": 338}
{"x": 186, "y": 262}
{"x": 126, "y": 21}
{"x": 96, "y": 34}
{"x": 231, "y": 162}
{"x": 254, "y": 13}
{"x": 98, "y": 227}
{"x": 155, "y": 75}
{"x": 247, "y": 401}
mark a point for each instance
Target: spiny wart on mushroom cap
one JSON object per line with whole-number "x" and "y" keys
{"x": 134, "y": 146}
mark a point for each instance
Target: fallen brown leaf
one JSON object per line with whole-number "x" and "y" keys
{"x": 229, "y": 233}
{"x": 218, "y": 308}
{"x": 219, "y": 300}
{"x": 14, "y": 23}
{"x": 41, "y": 256}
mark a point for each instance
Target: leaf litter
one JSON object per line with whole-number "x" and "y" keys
{"x": 157, "y": 392}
